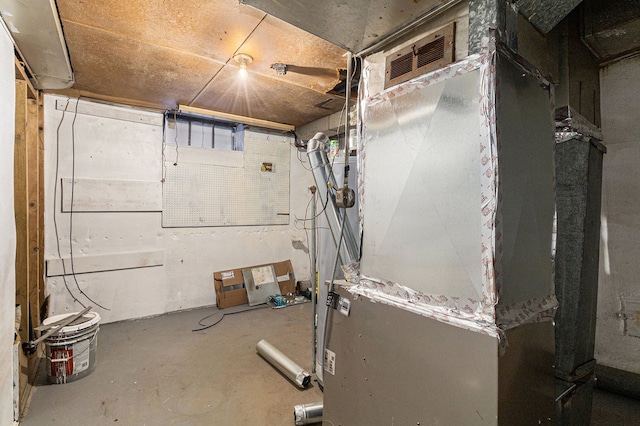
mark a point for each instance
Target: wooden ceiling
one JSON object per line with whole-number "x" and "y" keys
{"x": 161, "y": 53}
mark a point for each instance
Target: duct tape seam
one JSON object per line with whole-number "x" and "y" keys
{"x": 465, "y": 313}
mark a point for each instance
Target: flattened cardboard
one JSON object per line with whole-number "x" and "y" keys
{"x": 230, "y": 289}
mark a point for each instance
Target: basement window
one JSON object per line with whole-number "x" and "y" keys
{"x": 202, "y": 132}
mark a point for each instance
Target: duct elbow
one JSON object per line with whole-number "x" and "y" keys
{"x": 320, "y": 142}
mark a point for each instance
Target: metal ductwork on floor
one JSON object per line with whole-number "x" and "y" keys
{"x": 306, "y": 414}
{"x": 38, "y": 38}
{"x": 284, "y": 364}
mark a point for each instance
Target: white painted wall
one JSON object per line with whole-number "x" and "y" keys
{"x": 108, "y": 148}
{"x": 618, "y": 322}
{"x": 7, "y": 226}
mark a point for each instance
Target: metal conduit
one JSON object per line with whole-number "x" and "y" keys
{"x": 314, "y": 278}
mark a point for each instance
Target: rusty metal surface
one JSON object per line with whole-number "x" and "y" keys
{"x": 159, "y": 54}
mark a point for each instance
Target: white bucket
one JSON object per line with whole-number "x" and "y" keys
{"x": 71, "y": 353}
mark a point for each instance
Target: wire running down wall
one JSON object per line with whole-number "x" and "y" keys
{"x": 123, "y": 258}
{"x": 257, "y": 193}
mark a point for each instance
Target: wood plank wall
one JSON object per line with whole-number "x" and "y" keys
{"x": 29, "y": 209}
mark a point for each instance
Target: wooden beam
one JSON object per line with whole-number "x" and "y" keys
{"x": 28, "y": 206}
{"x": 33, "y": 173}
{"x": 20, "y": 206}
{"x": 21, "y": 218}
{"x": 41, "y": 270}
{"x": 21, "y": 74}
{"x": 238, "y": 118}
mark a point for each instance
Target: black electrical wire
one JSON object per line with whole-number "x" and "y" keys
{"x": 175, "y": 139}
{"x": 324, "y": 207}
{"x": 73, "y": 184}
{"x": 204, "y": 327}
{"x": 164, "y": 146}
{"x": 55, "y": 210}
{"x": 299, "y": 145}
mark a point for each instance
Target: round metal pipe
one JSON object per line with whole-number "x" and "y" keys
{"x": 305, "y": 414}
{"x": 330, "y": 290}
{"x": 313, "y": 279}
{"x": 347, "y": 123}
{"x": 323, "y": 175}
{"x": 280, "y": 361}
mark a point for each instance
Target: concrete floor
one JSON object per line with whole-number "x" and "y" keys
{"x": 610, "y": 409}
{"x": 157, "y": 371}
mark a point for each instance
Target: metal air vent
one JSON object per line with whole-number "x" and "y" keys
{"x": 430, "y": 53}
{"x": 401, "y": 66}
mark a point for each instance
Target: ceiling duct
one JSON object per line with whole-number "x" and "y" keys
{"x": 356, "y": 25}
{"x": 612, "y": 28}
{"x": 545, "y": 14}
{"x": 38, "y": 38}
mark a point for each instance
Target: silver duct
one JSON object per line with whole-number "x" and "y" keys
{"x": 305, "y": 414}
{"x": 314, "y": 277}
{"x": 317, "y": 148}
{"x": 293, "y": 371}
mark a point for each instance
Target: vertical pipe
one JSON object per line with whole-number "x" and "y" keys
{"x": 331, "y": 287}
{"x": 347, "y": 122}
{"x": 322, "y": 173}
{"x": 313, "y": 279}
{"x": 346, "y": 184}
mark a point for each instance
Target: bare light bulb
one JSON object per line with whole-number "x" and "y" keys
{"x": 242, "y": 59}
{"x": 242, "y": 72}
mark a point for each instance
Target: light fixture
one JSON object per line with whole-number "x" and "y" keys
{"x": 279, "y": 68}
{"x": 243, "y": 59}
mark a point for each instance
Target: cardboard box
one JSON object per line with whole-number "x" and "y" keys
{"x": 230, "y": 288}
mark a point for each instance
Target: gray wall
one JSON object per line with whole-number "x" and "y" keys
{"x": 7, "y": 226}
{"x": 618, "y": 323}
